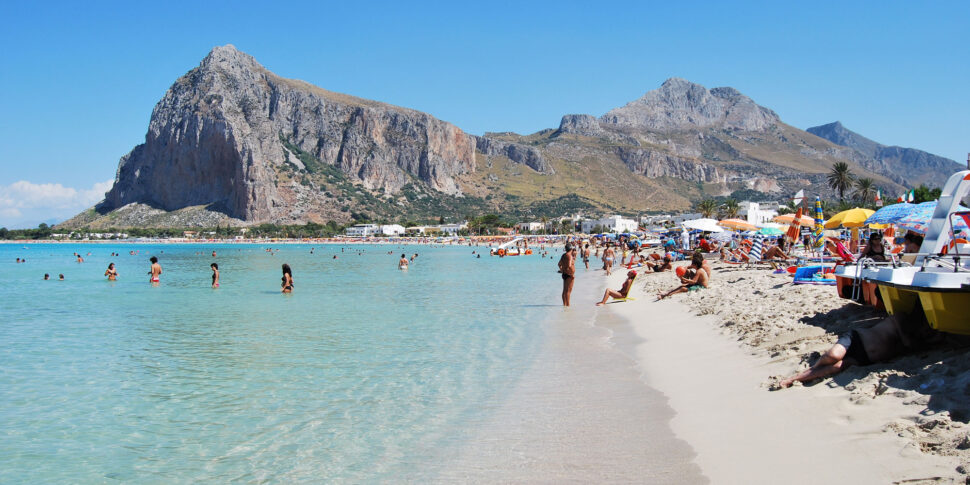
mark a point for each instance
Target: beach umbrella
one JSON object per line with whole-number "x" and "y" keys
{"x": 707, "y": 225}
{"x": 920, "y": 216}
{"x": 817, "y": 239}
{"x": 794, "y": 227}
{"x": 770, "y": 231}
{"x": 722, "y": 236}
{"x": 788, "y": 219}
{"x": 737, "y": 225}
{"x": 855, "y": 217}
{"x": 891, "y": 214}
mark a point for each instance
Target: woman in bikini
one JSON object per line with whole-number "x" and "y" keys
{"x": 111, "y": 272}
{"x": 215, "y": 275}
{"x": 287, "y": 279}
{"x": 156, "y": 270}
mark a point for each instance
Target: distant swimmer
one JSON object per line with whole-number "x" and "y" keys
{"x": 215, "y": 275}
{"x": 334, "y": 256}
{"x": 79, "y": 258}
{"x": 287, "y": 279}
{"x": 156, "y": 270}
{"x": 111, "y": 272}
{"x": 403, "y": 262}
{"x": 47, "y": 276}
{"x": 60, "y": 276}
{"x": 213, "y": 254}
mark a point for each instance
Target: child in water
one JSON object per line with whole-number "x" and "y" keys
{"x": 215, "y": 275}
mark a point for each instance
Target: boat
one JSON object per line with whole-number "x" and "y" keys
{"x": 510, "y": 248}
{"x": 938, "y": 279}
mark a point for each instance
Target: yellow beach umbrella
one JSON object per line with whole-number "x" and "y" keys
{"x": 788, "y": 218}
{"x": 852, "y": 218}
{"x": 737, "y": 225}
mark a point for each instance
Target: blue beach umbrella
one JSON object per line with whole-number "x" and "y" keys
{"x": 890, "y": 214}
{"x": 919, "y": 218}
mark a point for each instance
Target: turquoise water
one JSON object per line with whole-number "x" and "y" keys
{"x": 362, "y": 374}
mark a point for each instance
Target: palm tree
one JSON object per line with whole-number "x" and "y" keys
{"x": 841, "y": 178}
{"x": 707, "y": 207}
{"x": 730, "y": 208}
{"x": 865, "y": 190}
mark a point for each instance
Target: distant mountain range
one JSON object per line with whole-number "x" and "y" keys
{"x": 907, "y": 165}
{"x": 233, "y": 143}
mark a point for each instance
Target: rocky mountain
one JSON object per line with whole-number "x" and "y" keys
{"x": 232, "y": 143}
{"x": 908, "y": 165}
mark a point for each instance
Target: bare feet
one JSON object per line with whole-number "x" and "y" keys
{"x": 600, "y": 304}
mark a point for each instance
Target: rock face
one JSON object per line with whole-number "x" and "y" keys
{"x": 909, "y": 165}
{"x": 515, "y": 152}
{"x": 222, "y": 132}
{"x": 679, "y": 104}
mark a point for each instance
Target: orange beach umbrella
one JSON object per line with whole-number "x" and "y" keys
{"x": 737, "y": 225}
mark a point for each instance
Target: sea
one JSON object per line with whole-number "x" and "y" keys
{"x": 365, "y": 373}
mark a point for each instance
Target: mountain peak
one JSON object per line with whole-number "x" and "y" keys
{"x": 681, "y": 104}
{"x": 228, "y": 56}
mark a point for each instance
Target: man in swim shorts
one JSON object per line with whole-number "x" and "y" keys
{"x": 567, "y": 266}
{"x": 155, "y": 271}
{"x": 586, "y": 255}
{"x": 695, "y": 279}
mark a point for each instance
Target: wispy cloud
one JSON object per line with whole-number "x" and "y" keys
{"x": 25, "y": 204}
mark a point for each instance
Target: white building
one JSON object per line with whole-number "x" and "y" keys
{"x": 530, "y": 226}
{"x": 362, "y": 230}
{"x": 615, "y": 224}
{"x": 452, "y": 228}
{"x": 392, "y": 230}
{"x": 754, "y": 213}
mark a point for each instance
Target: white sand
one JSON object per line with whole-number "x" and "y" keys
{"x": 743, "y": 433}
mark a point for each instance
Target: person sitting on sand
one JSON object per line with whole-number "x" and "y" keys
{"x": 775, "y": 252}
{"x": 694, "y": 279}
{"x": 624, "y": 290}
{"x": 215, "y": 274}
{"x": 886, "y": 339}
{"x": 706, "y": 266}
{"x": 111, "y": 272}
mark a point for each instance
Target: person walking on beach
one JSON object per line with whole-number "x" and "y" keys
{"x": 586, "y": 255}
{"x": 624, "y": 290}
{"x": 608, "y": 256}
{"x": 111, "y": 272}
{"x": 567, "y": 266}
{"x": 156, "y": 270}
{"x": 215, "y": 274}
{"x": 287, "y": 279}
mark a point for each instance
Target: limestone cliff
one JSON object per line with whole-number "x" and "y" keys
{"x": 224, "y": 131}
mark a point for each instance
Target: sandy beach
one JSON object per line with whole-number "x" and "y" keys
{"x": 716, "y": 354}
{"x": 701, "y": 408}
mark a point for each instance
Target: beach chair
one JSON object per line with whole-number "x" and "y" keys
{"x": 628, "y": 297}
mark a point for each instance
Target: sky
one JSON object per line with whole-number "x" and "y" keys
{"x": 79, "y": 80}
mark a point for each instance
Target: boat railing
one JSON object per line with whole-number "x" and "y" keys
{"x": 941, "y": 261}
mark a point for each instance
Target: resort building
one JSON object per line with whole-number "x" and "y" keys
{"x": 530, "y": 226}
{"x": 758, "y": 212}
{"x": 362, "y": 230}
{"x": 392, "y": 230}
{"x": 614, "y": 224}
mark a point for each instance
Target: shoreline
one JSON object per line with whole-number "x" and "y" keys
{"x": 716, "y": 377}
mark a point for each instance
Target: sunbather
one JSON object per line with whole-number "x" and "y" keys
{"x": 624, "y": 290}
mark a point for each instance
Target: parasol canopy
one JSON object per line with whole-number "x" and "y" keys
{"x": 770, "y": 231}
{"x": 818, "y": 240}
{"x": 920, "y": 215}
{"x": 788, "y": 218}
{"x": 707, "y": 225}
{"x": 738, "y": 225}
{"x": 891, "y": 214}
{"x": 855, "y": 217}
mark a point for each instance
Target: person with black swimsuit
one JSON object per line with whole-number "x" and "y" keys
{"x": 287, "y": 279}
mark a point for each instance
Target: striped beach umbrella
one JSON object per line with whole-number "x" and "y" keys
{"x": 818, "y": 240}
{"x": 754, "y": 255}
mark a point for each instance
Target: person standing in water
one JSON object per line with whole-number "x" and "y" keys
{"x": 156, "y": 270}
{"x": 287, "y": 279}
{"x": 215, "y": 274}
{"x": 403, "y": 262}
{"x": 567, "y": 266}
{"x": 111, "y": 272}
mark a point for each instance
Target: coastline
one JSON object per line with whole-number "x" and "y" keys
{"x": 716, "y": 377}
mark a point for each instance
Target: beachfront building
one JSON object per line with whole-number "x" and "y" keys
{"x": 452, "y": 229}
{"x": 392, "y": 230}
{"x": 530, "y": 226}
{"x": 362, "y": 230}
{"x": 613, "y": 224}
{"x": 758, "y": 212}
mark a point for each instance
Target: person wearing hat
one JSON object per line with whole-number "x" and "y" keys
{"x": 624, "y": 290}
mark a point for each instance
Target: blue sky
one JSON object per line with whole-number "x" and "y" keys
{"x": 78, "y": 80}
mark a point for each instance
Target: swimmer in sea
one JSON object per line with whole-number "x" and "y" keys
{"x": 111, "y": 272}
{"x": 215, "y": 275}
{"x": 287, "y": 279}
{"x": 60, "y": 276}
{"x": 47, "y": 276}
{"x": 403, "y": 263}
{"x": 156, "y": 270}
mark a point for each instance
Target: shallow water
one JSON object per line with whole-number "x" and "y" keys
{"x": 361, "y": 374}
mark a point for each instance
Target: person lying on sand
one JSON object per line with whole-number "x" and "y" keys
{"x": 775, "y": 252}
{"x": 694, "y": 279}
{"x": 662, "y": 265}
{"x": 624, "y": 290}
{"x": 892, "y": 336}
